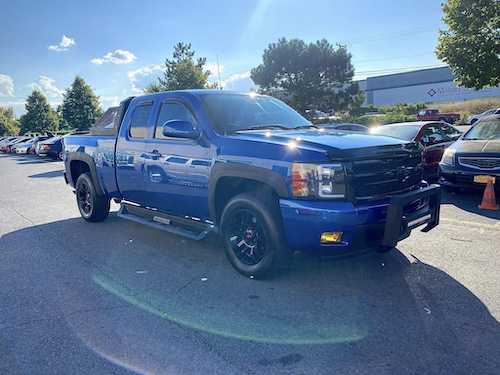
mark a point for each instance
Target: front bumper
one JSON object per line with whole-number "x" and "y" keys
{"x": 464, "y": 177}
{"x": 363, "y": 226}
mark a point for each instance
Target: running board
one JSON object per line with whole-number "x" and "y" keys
{"x": 170, "y": 223}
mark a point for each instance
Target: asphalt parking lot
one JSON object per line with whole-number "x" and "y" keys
{"x": 120, "y": 298}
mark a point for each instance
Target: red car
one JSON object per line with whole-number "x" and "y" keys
{"x": 435, "y": 137}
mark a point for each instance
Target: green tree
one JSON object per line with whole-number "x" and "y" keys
{"x": 39, "y": 116}
{"x": 182, "y": 72}
{"x": 308, "y": 76}
{"x": 80, "y": 107}
{"x": 471, "y": 45}
{"x": 8, "y": 123}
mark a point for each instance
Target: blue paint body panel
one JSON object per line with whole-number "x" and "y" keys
{"x": 180, "y": 172}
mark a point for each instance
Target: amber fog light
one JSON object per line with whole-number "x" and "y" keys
{"x": 330, "y": 237}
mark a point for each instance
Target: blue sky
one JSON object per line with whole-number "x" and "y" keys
{"x": 118, "y": 47}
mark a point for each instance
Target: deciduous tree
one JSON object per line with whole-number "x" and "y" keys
{"x": 39, "y": 117}
{"x": 308, "y": 76}
{"x": 80, "y": 107}
{"x": 8, "y": 123}
{"x": 471, "y": 44}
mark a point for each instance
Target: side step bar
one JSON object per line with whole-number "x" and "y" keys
{"x": 173, "y": 224}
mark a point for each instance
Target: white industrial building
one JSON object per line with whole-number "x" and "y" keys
{"x": 428, "y": 86}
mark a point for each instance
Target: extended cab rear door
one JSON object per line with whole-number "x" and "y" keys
{"x": 130, "y": 150}
{"x": 176, "y": 169}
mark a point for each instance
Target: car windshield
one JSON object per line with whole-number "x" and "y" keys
{"x": 489, "y": 129}
{"x": 233, "y": 113}
{"x": 406, "y": 132}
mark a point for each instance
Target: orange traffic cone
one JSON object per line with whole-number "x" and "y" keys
{"x": 489, "y": 201}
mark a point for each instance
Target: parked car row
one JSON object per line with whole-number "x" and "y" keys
{"x": 453, "y": 158}
{"x": 47, "y": 145}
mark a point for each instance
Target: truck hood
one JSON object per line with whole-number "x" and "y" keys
{"x": 477, "y": 146}
{"x": 321, "y": 140}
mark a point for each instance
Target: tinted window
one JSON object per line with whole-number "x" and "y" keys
{"x": 232, "y": 113}
{"x": 172, "y": 111}
{"x": 431, "y": 135}
{"x": 139, "y": 121}
{"x": 406, "y": 132}
{"x": 449, "y": 131}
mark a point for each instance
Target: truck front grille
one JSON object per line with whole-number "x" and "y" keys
{"x": 386, "y": 175}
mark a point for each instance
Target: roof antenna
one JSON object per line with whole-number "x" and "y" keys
{"x": 218, "y": 70}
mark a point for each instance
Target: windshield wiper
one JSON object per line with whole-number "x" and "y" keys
{"x": 270, "y": 126}
{"x": 307, "y": 127}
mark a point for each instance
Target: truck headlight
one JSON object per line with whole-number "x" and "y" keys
{"x": 448, "y": 156}
{"x": 318, "y": 180}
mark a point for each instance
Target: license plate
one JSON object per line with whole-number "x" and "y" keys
{"x": 483, "y": 179}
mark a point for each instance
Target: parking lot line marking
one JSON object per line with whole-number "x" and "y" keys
{"x": 472, "y": 224}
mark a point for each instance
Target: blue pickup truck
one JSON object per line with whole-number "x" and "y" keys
{"x": 253, "y": 170}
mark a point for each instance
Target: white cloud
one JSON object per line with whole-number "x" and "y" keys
{"x": 18, "y": 106}
{"x": 46, "y": 86}
{"x": 117, "y": 57}
{"x": 6, "y": 86}
{"x": 64, "y": 45}
{"x": 214, "y": 70}
{"x": 143, "y": 76}
{"x": 239, "y": 82}
{"x": 109, "y": 101}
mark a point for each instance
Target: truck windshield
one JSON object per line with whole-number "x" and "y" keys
{"x": 233, "y": 113}
{"x": 485, "y": 130}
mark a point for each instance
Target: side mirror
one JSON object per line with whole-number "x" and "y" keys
{"x": 180, "y": 129}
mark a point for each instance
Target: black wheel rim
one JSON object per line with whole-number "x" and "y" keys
{"x": 247, "y": 237}
{"x": 85, "y": 199}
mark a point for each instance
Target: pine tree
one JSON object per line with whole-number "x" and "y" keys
{"x": 80, "y": 107}
{"x": 39, "y": 117}
{"x": 182, "y": 72}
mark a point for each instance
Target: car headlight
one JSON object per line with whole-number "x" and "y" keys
{"x": 448, "y": 156}
{"x": 318, "y": 180}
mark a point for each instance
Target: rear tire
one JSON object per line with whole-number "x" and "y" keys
{"x": 93, "y": 207}
{"x": 253, "y": 236}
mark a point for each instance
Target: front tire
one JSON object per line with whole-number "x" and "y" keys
{"x": 253, "y": 236}
{"x": 93, "y": 207}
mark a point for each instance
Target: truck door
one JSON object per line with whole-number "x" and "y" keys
{"x": 130, "y": 152}
{"x": 177, "y": 169}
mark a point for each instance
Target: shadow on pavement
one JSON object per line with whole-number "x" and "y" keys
{"x": 468, "y": 200}
{"x": 117, "y": 295}
{"x": 52, "y": 174}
